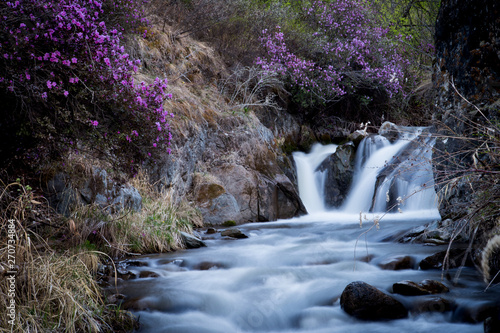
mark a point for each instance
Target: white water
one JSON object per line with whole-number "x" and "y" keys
{"x": 311, "y": 183}
{"x": 288, "y": 275}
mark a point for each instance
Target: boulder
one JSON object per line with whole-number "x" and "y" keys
{"x": 432, "y": 304}
{"x": 339, "y": 168}
{"x": 366, "y": 302}
{"x": 398, "y": 263}
{"x": 191, "y": 242}
{"x": 233, "y": 233}
{"x": 454, "y": 260}
{"x": 148, "y": 274}
{"x": 426, "y": 287}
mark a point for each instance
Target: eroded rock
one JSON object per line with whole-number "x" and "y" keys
{"x": 363, "y": 301}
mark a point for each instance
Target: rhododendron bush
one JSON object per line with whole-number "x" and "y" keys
{"x": 348, "y": 50}
{"x": 66, "y": 74}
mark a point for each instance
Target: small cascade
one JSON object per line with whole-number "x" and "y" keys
{"x": 388, "y": 176}
{"x": 310, "y": 181}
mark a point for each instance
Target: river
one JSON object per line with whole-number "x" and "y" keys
{"x": 288, "y": 275}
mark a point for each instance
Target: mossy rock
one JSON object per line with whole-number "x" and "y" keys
{"x": 229, "y": 223}
{"x": 208, "y": 192}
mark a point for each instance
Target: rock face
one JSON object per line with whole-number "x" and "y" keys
{"x": 65, "y": 192}
{"x": 233, "y": 169}
{"x": 364, "y": 301}
{"x": 339, "y": 169}
{"x": 467, "y": 63}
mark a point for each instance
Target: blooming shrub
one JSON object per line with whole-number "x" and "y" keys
{"x": 348, "y": 50}
{"x": 64, "y": 64}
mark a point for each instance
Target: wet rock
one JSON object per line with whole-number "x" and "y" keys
{"x": 136, "y": 304}
{"x": 432, "y": 304}
{"x": 234, "y": 233}
{"x": 191, "y": 242}
{"x": 409, "y": 288}
{"x": 426, "y": 287}
{"x": 148, "y": 274}
{"x": 454, "y": 260}
{"x": 211, "y": 231}
{"x": 475, "y": 312}
{"x": 137, "y": 263}
{"x": 390, "y": 131}
{"x": 398, "y": 263}
{"x": 492, "y": 324}
{"x": 206, "y": 265}
{"x": 366, "y": 302}
{"x": 434, "y": 287}
{"x": 339, "y": 168}
{"x": 357, "y": 136}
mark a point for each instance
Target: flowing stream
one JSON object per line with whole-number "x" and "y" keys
{"x": 288, "y": 275}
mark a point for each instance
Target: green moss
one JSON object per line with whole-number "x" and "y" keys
{"x": 209, "y": 192}
{"x": 229, "y": 223}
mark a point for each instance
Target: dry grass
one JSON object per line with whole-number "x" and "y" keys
{"x": 54, "y": 290}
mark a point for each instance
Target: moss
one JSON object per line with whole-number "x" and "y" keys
{"x": 229, "y": 223}
{"x": 209, "y": 192}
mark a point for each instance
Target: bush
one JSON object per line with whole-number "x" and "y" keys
{"x": 65, "y": 75}
{"x": 349, "y": 50}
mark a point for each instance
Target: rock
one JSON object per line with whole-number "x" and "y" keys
{"x": 191, "y": 242}
{"x": 61, "y": 195}
{"x": 137, "y": 263}
{"x": 398, "y": 263}
{"x": 114, "y": 299}
{"x": 339, "y": 168}
{"x": 426, "y": 287}
{"x": 455, "y": 259}
{"x": 234, "y": 233}
{"x": 409, "y": 288}
{"x": 148, "y": 274}
{"x": 390, "y": 131}
{"x": 433, "y": 304}
{"x": 206, "y": 265}
{"x": 492, "y": 324}
{"x": 357, "y": 136}
{"x": 475, "y": 312}
{"x": 136, "y": 304}
{"x": 490, "y": 260}
{"x": 211, "y": 231}
{"x": 366, "y": 302}
{"x": 434, "y": 287}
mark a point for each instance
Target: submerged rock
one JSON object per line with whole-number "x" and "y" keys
{"x": 433, "y": 304}
{"x": 363, "y": 301}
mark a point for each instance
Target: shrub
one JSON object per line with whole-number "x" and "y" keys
{"x": 66, "y": 75}
{"x": 349, "y": 50}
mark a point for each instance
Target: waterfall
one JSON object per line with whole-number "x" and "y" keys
{"x": 388, "y": 176}
{"x": 310, "y": 181}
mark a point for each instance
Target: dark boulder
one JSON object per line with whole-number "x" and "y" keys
{"x": 191, "y": 242}
{"x": 366, "y": 302}
{"x": 426, "y": 287}
{"x": 339, "y": 168}
{"x": 432, "y": 304}
{"x": 233, "y": 233}
{"x": 398, "y": 263}
{"x": 453, "y": 259}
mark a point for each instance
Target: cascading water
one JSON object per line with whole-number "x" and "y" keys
{"x": 387, "y": 176}
{"x": 311, "y": 183}
{"x": 288, "y": 275}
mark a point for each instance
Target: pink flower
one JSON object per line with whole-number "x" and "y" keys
{"x": 74, "y": 60}
{"x": 66, "y": 93}
{"x": 94, "y": 123}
